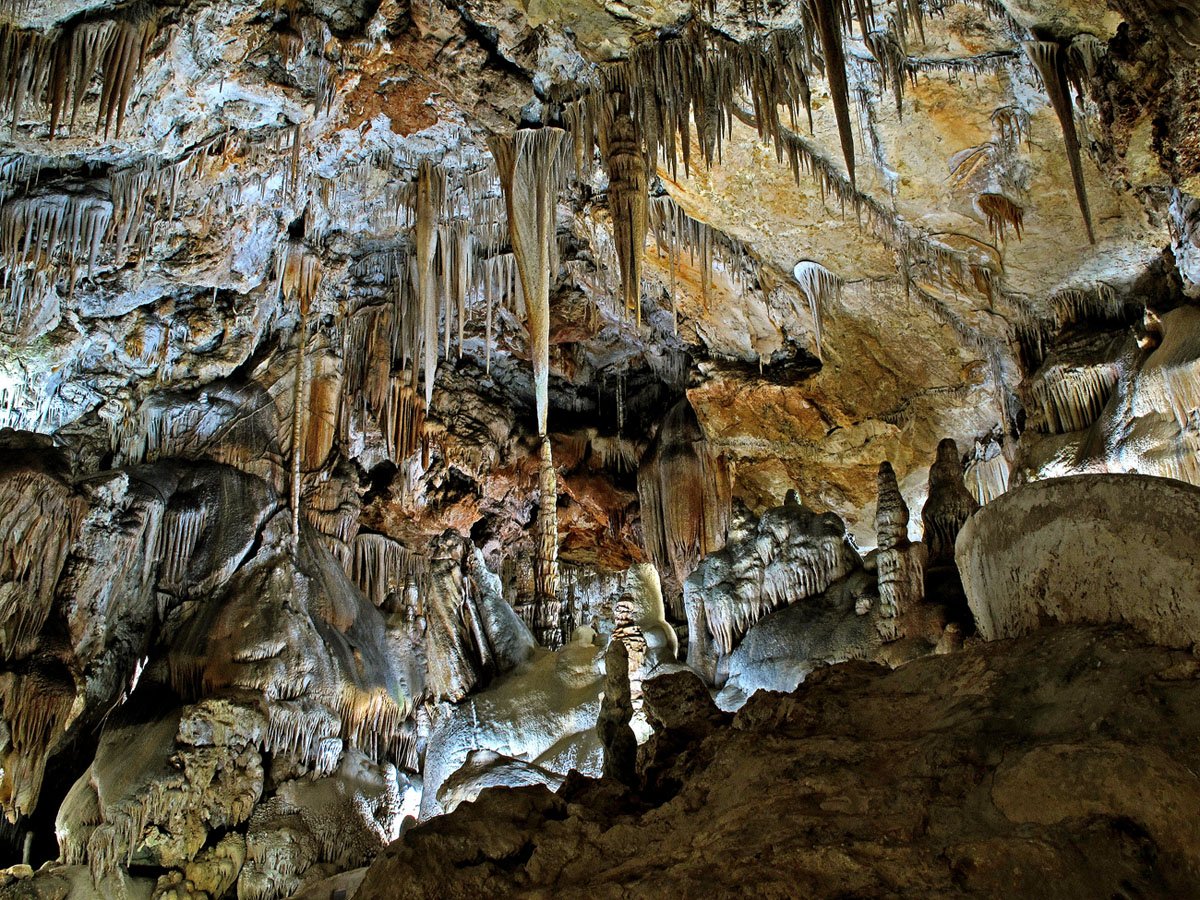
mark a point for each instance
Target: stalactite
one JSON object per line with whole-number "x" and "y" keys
{"x": 178, "y": 539}
{"x": 820, "y": 287}
{"x": 530, "y": 172}
{"x": 627, "y": 198}
{"x": 381, "y": 566}
{"x": 888, "y": 51}
{"x": 39, "y": 518}
{"x": 56, "y": 235}
{"x": 677, "y": 233}
{"x": 37, "y": 708}
{"x": 1001, "y": 213}
{"x": 1051, "y": 62}
{"x": 431, "y": 195}
{"x": 987, "y": 472}
{"x": 829, "y": 27}
{"x": 685, "y": 494}
{"x": 791, "y": 554}
{"x": 1097, "y": 303}
{"x": 1069, "y": 398}
{"x": 1011, "y": 124}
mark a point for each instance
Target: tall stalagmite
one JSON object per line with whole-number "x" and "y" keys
{"x": 531, "y": 168}
{"x": 900, "y": 565}
{"x": 950, "y": 504}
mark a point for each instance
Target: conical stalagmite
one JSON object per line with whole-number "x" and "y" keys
{"x": 949, "y": 506}
{"x": 900, "y": 565}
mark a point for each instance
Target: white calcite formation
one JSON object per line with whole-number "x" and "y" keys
{"x": 788, "y": 555}
{"x": 1094, "y": 548}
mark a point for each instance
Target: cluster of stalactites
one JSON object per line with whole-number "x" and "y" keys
{"x": 1069, "y": 306}
{"x": 1070, "y": 398}
{"x": 948, "y": 506}
{"x": 678, "y": 234}
{"x": 1001, "y": 213}
{"x": 382, "y": 567}
{"x": 43, "y": 238}
{"x": 56, "y": 68}
{"x": 685, "y": 493}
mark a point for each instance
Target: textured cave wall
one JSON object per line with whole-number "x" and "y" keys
{"x": 268, "y": 356}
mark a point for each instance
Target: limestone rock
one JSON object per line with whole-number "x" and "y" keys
{"x": 1049, "y": 551}
{"x": 1049, "y": 765}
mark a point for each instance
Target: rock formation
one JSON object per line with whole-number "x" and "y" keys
{"x": 371, "y": 370}
{"x": 869, "y": 780}
{"x": 900, "y": 564}
{"x": 949, "y": 505}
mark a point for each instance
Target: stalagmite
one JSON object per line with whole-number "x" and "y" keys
{"x": 531, "y": 170}
{"x": 1051, "y": 62}
{"x": 616, "y": 711}
{"x": 949, "y": 505}
{"x": 900, "y": 565}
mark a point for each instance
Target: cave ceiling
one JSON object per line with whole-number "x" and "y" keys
{"x": 223, "y": 139}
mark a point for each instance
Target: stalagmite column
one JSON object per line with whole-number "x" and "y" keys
{"x": 900, "y": 564}
{"x": 530, "y": 169}
{"x": 299, "y": 278}
{"x": 950, "y": 504}
{"x": 616, "y": 711}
